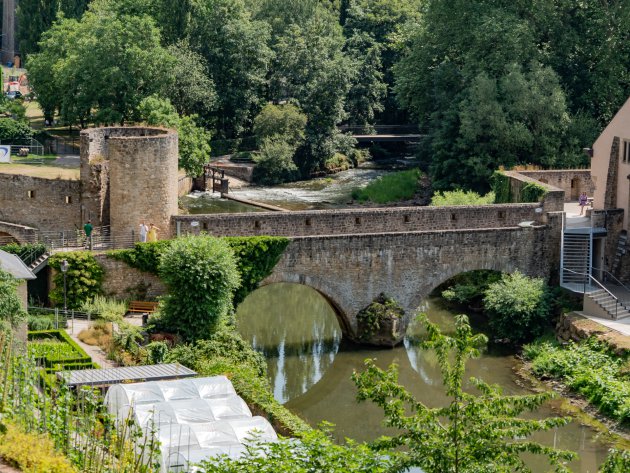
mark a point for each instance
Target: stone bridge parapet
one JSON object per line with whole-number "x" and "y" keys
{"x": 358, "y": 221}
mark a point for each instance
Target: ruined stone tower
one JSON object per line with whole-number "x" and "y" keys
{"x": 129, "y": 175}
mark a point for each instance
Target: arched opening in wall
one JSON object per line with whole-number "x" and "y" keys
{"x": 298, "y": 331}
{"x": 7, "y": 238}
{"x": 460, "y": 294}
{"x": 576, "y": 188}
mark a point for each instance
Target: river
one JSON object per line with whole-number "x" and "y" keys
{"x": 310, "y": 366}
{"x": 322, "y": 193}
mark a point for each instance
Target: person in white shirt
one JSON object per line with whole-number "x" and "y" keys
{"x": 143, "y": 232}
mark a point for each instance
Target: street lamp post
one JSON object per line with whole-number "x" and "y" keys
{"x": 64, "y": 270}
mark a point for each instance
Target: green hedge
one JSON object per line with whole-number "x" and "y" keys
{"x": 75, "y": 354}
{"x": 256, "y": 258}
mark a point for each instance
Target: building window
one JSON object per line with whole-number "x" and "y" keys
{"x": 308, "y": 222}
{"x": 626, "y": 151}
{"x": 31, "y": 194}
{"x": 257, "y": 224}
{"x": 407, "y": 219}
{"x": 357, "y": 221}
{"x": 68, "y": 199}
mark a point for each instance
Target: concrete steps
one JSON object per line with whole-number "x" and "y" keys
{"x": 609, "y": 304}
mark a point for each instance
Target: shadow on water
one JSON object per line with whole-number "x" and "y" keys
{"x": 310, "y": 368}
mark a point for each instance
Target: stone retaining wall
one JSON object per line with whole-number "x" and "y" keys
{"x": 124, "y": 282}
{"x": 553, "y": 201}
{"x": 574, "y": 326}
{"x": 351, "y": 221}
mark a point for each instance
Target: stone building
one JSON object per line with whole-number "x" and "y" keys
{"x": 127, "y": 174}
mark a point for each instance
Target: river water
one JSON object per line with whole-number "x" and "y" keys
{"x": 323, "y": 193}
{"x": 310, "y": 367}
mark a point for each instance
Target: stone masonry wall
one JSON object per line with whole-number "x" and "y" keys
{"x": 143, "y": 182}
{"x": 352, "y": 270}
{"x": 553, "y": 201}
{"x": 357, "y": 221}
{"x": 610, "y": 197}
{"x": 46, "y": 204}
{"x": 124, "y": 282}
{"x": 571, "y": 181}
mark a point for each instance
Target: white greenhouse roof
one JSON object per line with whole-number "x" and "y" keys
{"x": 193, "y": 419}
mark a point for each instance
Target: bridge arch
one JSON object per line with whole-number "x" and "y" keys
{"x": 321, "y": 287}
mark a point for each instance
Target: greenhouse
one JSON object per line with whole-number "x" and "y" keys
{"x": 193, "y": 419}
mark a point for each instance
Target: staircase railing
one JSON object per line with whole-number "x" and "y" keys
{"x": 588, "y": 279}
{"x": 608, "y": 275}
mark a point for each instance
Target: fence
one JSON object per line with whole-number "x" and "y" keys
{"x": 63, "y": 146}
{"x": 34, "y": 146}
{"x": 72, "y": 240}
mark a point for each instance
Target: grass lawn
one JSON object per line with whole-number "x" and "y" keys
{"x": 394, "y": 187}
{"x": 43, "y": 171}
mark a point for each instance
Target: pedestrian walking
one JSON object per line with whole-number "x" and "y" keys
{"x": 582, "y": 201}
{"x": 88, "y": 229}
{"x": 144, "y": 230}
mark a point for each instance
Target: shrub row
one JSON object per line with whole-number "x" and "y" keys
{"x": 56, "y": 348}
{"x": 588, "y": 368}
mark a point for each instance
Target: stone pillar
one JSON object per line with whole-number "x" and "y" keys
{"x": 142, "y": 180}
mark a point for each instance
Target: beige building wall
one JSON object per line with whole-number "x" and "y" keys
{"x": 618, "y": 127}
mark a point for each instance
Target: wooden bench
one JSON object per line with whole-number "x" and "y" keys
{"x": 142, "y": 307}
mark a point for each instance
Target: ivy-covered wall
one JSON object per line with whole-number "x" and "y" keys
{"x": 256, "y": 257}
{"x": 509, "y": 190}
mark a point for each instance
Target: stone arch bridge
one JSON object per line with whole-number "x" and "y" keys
{"x": 352, "y": 256}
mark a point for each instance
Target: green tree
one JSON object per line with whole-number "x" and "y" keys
{"x": 34, "y": 17}
{"x": 285, "y": 122}
{"x": 368, "y": 90}
{"x": 274, "y": 163}
{"x": 11, "y": 311}
{"x": 201, "y": 275}
{"x": 311, "y": 69}
{"x": 474, "y": 433}
{"x": 12, "y": 130}
{"x": 101, "y": 67}
{"x": 192, "y": 90}
{"x": 194, "y": 140}
{"x": 518, "y": 307}
{"x": 236, "y": 51}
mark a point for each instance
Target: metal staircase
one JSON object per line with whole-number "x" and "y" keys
{"x": 577, "y": 251}
{"x": 621, "y": 250}
{"x": 39, "y": 263}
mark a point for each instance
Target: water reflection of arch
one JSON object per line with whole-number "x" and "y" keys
{"x": 297, "y": 331}
{"x": 325, "y": 288}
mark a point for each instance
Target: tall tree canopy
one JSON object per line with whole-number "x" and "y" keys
{"x": 101, "y": 67}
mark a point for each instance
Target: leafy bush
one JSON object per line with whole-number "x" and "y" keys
{"x": 105, "y": 308}
{"x": 588, "y": 368}
{"x": 41, "y": 322}
{"x": 468, "y": 288}
{"x": 83, "y": 279}
{"x": 371, "y": 318}
{"x": 11, "y": 311}
{"x": 201, "y": 275}
{"x": 461, "y": 197}
{"x": 31, "y": 453}
{"x": 618, "y": 461}
{"x": 518, "y": 307}
{"x": 284, "y": 122}
{"x": 255, "y": 258}
{"x": 14, "y": 130}
{"x": 401, "y": 185}
{"x": 274, "y": 163}
{"x": 28, "y": 252}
